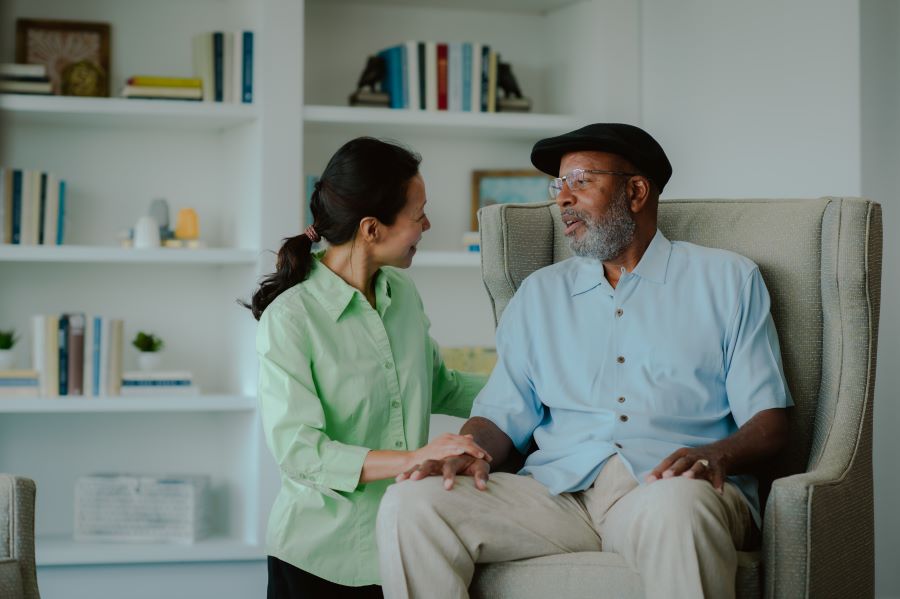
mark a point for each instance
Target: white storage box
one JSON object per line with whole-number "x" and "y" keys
{"x": 123, "y": 507}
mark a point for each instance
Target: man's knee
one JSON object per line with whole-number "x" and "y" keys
{"x": 412, "y": 499}
{"x": 680, "y": 501}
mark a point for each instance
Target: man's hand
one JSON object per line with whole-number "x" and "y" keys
{"x": 465, "y": 465}
{"x": 704, "y": 463}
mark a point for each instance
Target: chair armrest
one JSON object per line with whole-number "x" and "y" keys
{"x": 10, "y": 579}
{"x": 17, "y": 497}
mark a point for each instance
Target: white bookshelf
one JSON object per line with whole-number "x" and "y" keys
{"x": 105, "y": 112}
{"x": 64, "y": 551}
{"x": 76, "y": 405}
{"x": 435, "y": 259}
{"x": 116, "y": 255}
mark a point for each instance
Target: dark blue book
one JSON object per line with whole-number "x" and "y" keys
{"x": 247, "y": 70}
{"x": 19, "y": 382}
{"x": 151, "y": 383}
{"x": 61, "y": 216}
{"x": 485, "y": 75}
{"x": 64, "y": 354}
{"x": 95, "y": 350}
{"x": 17, "y": 207}
{"x": 219, "y": 65}
{"x": 423, "y": 87}
{"x": 43, "y": 208}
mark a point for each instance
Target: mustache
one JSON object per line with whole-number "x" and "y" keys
{"x": 576, "y": 213}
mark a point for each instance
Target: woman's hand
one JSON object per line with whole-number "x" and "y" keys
{"x": 446, "y": 446}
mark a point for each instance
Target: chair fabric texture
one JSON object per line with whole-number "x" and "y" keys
{"x": 18, "y": 577}
{"x": 821, "y": 260}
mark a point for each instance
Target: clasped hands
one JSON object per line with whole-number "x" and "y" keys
{"x": 704, "y": 463}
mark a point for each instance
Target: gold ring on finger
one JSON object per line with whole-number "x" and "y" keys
{"x": 703, "y": 462}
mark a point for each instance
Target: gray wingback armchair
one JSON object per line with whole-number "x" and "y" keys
{"x": 821, "y": 260}
{"x": 18, "y": 579}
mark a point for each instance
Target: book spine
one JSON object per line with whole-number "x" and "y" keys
{"x": 61, "y": 214}
{"x": 467, "y": 77}
{"x": 218, "y": 66}
{"x": 476, "y": 78}
{"x": 39, "y": 349}
{"x": 52, "y": 210}
{"x": 97, "y": 354}
{"x": 485, "y": 75}
{"x": 228, "y": 66}
{"x": 5, "y": 236}
{"x": 105, "y": 338}
{"x": 404, "y": 76}
{"x": 42, "y": 208}
{"x": 423, "y": 77}
{"x": 492, "y": 83}
{"x": 151, "y": 383}
{"x": 64, "y": 355}
{"x": 247, "y": 73}
{"x": 431, "y": 85}
{"x": 76, "y": 354}
{"x": 17, "y": 207}
{"x": 115, "y": 356}
{"x": 412, "y": 75}
{"x": 442, "y": 76}
{"x": 145, "y": 81}
{"x": 87, "y": 371}
{"x": 203, "y": 64}
{"x": 27, "y": 208}
{"x": 51, "y": 355}
{"x": 35, "y": 222}
{"x": 454, "y": 77}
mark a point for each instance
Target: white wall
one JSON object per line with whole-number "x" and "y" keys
{"x": 880, "y": 40}
{"x": 790, "y": 99}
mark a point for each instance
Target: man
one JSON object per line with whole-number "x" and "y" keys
{"x": 647, "y": 373}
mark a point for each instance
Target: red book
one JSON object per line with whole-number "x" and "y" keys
{"x": 442, "y": 76}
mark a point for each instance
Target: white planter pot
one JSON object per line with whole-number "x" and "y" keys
{"x": 7, "y": 359}
{"x": 149, "y": 360}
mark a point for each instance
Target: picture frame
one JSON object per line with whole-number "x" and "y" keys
{"x": 507, "y": 187}
{"x": 76, "y": 54}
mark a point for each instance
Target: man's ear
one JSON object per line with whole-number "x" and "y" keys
{"x": 638, "y": 193}
{"x": 369, "y": 229}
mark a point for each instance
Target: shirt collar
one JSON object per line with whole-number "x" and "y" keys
{"x": 653, "y": 266}
{"x": 336, "y": 295}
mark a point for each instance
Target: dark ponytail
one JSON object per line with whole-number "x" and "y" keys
{"x": 365, "y": 177}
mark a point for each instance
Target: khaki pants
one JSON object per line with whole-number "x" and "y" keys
{"x": 679, "y": 533}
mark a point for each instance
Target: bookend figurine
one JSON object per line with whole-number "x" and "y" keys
{"x": 512, "y": 100}
{"x": 372, "y": 76}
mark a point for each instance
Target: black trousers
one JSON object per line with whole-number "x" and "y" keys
{"x": 290, "y": 582}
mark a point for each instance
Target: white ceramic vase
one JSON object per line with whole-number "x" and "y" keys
{"x": 7, "y": 359}
{"x": 149, "y": 360}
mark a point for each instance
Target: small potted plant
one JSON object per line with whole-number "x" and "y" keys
{"x": 7, "y": 341}
{"x": 149, "y": 346}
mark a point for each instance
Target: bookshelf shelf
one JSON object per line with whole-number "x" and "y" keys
{"x": 92, "y": 254}
{"x": 74, "y": 405}
{"x": 59, "y": 110}
{"x": 447, "y": 259}
{"x": 64, "y": 551}
{"x": 379, "y": 121}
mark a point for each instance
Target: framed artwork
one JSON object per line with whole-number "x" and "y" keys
{"x": 76, "y": 54}
{"x": 507, "y": 187}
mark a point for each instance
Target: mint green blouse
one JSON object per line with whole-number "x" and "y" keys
{"x": 338, "y": 378}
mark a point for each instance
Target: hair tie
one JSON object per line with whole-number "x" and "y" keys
{"x": 311, "y": 233}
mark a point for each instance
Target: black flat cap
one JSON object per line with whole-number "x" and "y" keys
{"x": 628, "y": 141}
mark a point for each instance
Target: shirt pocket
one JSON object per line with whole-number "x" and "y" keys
{"x": 686, "y": 375}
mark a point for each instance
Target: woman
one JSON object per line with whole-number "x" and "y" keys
{"x": 348, "y": 372}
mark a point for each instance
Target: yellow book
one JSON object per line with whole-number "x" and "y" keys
{"x": 18, "y": 374}
{"x": 150, "y": 81}
{"x": 50, "y": 378}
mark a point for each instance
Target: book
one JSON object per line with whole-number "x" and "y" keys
{"x": 466, "y": 77}
{"x": 36, "y": 71}
{"x": 61, "y": 214}
{"x": 63, "y": 337}
{"x": 96, "y": 356}
{"x": 116, "y": 342}
{"x": 158, "y": 391}
{"x": 76, "y": 354}
{"x": 431, "y": 74}
{"x": 87, "y": 370}
{"x": 228, "y": 66}
{"x": 42, "y": 204}
{"x": 148, "y": 92}
{"x": 5, "y": 205}
{"x": 19, "y": 375}
{"x": 218, "y": 39}
{"x": 411, "y": 52}
{"x": 442, "y": 66}
{"x": 16, "y": 225}
{"x": 420, "y": 51}
{"x": 51, "y": 212}
{"x": 50, "y": 374}
{"x": 158, "y": 375}
{"x": 23, "y": 391}
{"x": 237, "y": 66}
{"x": 247, "y": 71}
{"x": 152, "y": 81}
{"x": 393, "y": 79}
{"x": 202, "y": 46}
{"x": 8, "y": 86}
{"x": 34, "y": 223}
{"x": 492, "y": 83}
{"x": 25, "y": 209}
{"x": 454, "y": 77}
{"x": 476, "y": 78}
{"x": 39, "y": 349}
{"x": 485, "y": 75}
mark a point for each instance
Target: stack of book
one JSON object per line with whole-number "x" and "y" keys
{"x": 163, "y": 88}
{"x": 19, "y": 383}
{"x": 158, "y": 383}
{"x": 76, "y": 355}
{"x": 24, "y": 79}
{"x": 32, "y": 207}
{"x": 457, "y": 77}
{"x": 223, "y": 61}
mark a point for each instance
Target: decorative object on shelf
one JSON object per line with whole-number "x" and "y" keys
{"x": 149, "y": 346}
{"x": 159, "y": 210}
{"x": 472, "y": 241}
{"x": 142, "y": 508}
{"x": 372, "y": 76}
{"x": 512, "y": 100}
{"x": 146, "y": 233}
{"x": 470, "y": 358}
{"x": 76, "y": 54}
{"x": 187, "y": 225}
{"x": 7, "y": 342}
{"x": 506, "y": 187}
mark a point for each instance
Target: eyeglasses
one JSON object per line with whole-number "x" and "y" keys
{"x": 575, "y": 180}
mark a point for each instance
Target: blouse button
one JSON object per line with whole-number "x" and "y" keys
{"x": 395, "y": 404}
{"x": 398, "y": 444}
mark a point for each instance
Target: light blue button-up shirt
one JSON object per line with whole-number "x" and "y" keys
{"x": 680, "y": 354}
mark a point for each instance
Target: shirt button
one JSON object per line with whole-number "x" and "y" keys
{"x": 388, "y": 365}
{"x": 398, "y": 444}
{"x": 620, "y": 359}
{"x": 623, "y": 418}
{"x": 619, "y": 445}
{"x": 621, "y": 400}
{"x": 395, "y": 404}
{"x": 619, "y": 311}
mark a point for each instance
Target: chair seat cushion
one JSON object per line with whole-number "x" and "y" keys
{"x": 593, "y": 575}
